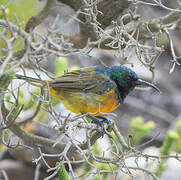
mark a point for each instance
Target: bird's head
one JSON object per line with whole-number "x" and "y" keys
{"x": 126, "y": 80}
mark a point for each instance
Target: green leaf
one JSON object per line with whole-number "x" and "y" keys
{"x": 60, "y": 66}
{"x": 140, "y": 129}
{"x": 62, "y": 173}
{"x": 5, "y": 80}
{"x": 23, "y": 10}
{"x": 171, "y": 137}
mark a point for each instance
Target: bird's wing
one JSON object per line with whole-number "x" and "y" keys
{"x": 84, "y": 80}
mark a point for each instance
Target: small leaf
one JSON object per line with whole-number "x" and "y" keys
{"x": 62, "y": 173}
{"x": 5, "y": 80}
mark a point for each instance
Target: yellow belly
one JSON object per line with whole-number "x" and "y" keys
{"x": 79, "y": 102}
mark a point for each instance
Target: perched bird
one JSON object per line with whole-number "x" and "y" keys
{"x": 93, "y": 89}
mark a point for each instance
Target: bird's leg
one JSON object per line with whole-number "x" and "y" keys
{"x": 108, "y": 122}
{"x": 101, "y": 124}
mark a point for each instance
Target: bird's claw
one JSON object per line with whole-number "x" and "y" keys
{"x": 108, "y": 122}
{"x": 103, "y": 130}
{"x": 109, "y": 125}
{"x": 101, "y": 124}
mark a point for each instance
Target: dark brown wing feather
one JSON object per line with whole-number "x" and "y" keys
{"x": 85, "y": 80}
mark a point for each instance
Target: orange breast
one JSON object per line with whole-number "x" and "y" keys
{"x": 109, "y": 102}
{"x": 80, "y": 102}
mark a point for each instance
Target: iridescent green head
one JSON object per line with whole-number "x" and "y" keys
{"x": 127, "y": 80}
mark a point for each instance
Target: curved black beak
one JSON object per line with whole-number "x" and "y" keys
{"x": 141, "y": 82}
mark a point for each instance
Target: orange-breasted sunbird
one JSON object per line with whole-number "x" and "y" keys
{"x": 93, "y": 89}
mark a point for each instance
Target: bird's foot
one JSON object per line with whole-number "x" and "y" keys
{"x": 101, "y": 124}
{"x": 108, "y": 122}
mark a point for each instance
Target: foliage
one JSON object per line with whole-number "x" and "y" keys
{"x": 139, "y": 129}
{"x": 178, "y": 142}
{"x": 165, "y": 150}
{"x": 18, "y": 11}
{"x": 21, "y": 10}
{"x": 22, "y": 47}
{"x": 5, "y": 80}
{"x": 62, "y": 173}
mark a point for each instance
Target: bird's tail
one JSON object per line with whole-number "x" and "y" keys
{"x": 31, "y": 79}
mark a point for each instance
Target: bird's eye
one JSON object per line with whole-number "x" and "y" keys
{"x": 128, "y": 78}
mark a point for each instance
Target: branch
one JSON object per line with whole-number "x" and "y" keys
{"x": 35, "y": 113}
{"x": 109, "y": 10}
{"x": 38, "y": 19}
{"x": 99, "y": 13}
{"x": 39, "y": 141}
{"x": 155, "y": 25}
{"x": 171, "y": 20}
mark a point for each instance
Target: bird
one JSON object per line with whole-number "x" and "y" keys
{"x": 93, "y": 90}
